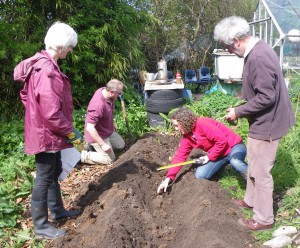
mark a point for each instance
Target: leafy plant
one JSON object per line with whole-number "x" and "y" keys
{"x": 15, "y": 178}
{"x": 137, "y": 118}
{"x": 109, "y": 44}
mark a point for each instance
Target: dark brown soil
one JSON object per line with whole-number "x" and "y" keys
{"x": 122, "y": 208}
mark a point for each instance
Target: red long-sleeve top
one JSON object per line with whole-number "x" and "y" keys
{"x": 210, "y": 136}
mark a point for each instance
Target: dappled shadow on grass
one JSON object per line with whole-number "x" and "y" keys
{"x": 284, "y": 172}
{"x": 285, "y": 176}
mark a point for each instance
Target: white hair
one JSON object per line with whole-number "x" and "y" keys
{"x": 230, "y": 28}
{"x": 60, "y": 36}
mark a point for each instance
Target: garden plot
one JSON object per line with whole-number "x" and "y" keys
{"x": 122, "y": 208}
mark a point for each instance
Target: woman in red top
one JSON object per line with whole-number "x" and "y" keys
{"x": 220, "y": 142}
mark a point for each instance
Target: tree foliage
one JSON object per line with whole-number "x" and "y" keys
{"x": 109, "y": 44}
{"x": 184, "y": 35}
{"x": 115, "y": 36}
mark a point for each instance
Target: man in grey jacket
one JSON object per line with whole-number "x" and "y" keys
{"x": 269, "y": 113}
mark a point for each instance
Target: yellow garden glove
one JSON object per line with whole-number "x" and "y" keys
{"x": 75, "y": 137}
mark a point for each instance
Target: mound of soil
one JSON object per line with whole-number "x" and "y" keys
{"x": 122, "y": 208}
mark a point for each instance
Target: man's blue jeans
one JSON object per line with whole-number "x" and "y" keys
{"x": 236, "y": 158}
{"x": 48, "y": 169}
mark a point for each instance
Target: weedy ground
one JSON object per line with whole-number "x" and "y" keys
{"x": 16, "y": 179}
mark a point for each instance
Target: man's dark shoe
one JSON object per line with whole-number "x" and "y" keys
{"x": 240, "y": 203}
{"x": 252, "y": 225}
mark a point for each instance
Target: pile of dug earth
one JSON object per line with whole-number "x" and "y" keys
{"x": 122, "y": 209}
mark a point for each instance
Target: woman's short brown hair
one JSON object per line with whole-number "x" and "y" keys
{"x": 185, "y": 117}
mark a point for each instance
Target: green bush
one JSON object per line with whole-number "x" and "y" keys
{"x": 15, "y": 178}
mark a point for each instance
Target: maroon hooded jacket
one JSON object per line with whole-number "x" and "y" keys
{"x": 47, "y": 99}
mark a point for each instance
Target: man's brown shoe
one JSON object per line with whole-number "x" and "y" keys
{"x": 253, "y": 225}
{"x": 240, "y": 203}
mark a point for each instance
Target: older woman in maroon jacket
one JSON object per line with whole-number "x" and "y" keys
{"x": 220, "y": 142}
{"x": 47, "y": 99}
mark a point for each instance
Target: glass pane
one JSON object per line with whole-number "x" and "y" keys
{"x": 291, "y": 52}
{"x": 286, "y": 13}
{"x": 276, "y": 36}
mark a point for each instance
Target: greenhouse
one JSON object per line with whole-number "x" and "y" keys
{"x": 278, "y": 23}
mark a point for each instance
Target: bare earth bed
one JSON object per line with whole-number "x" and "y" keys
{"x": 122, "y": 209}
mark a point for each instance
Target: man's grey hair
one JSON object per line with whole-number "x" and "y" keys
{"x": 230, "y": 28}
{"x": 114, "y": 85}
{"x": 60, "y": 36}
